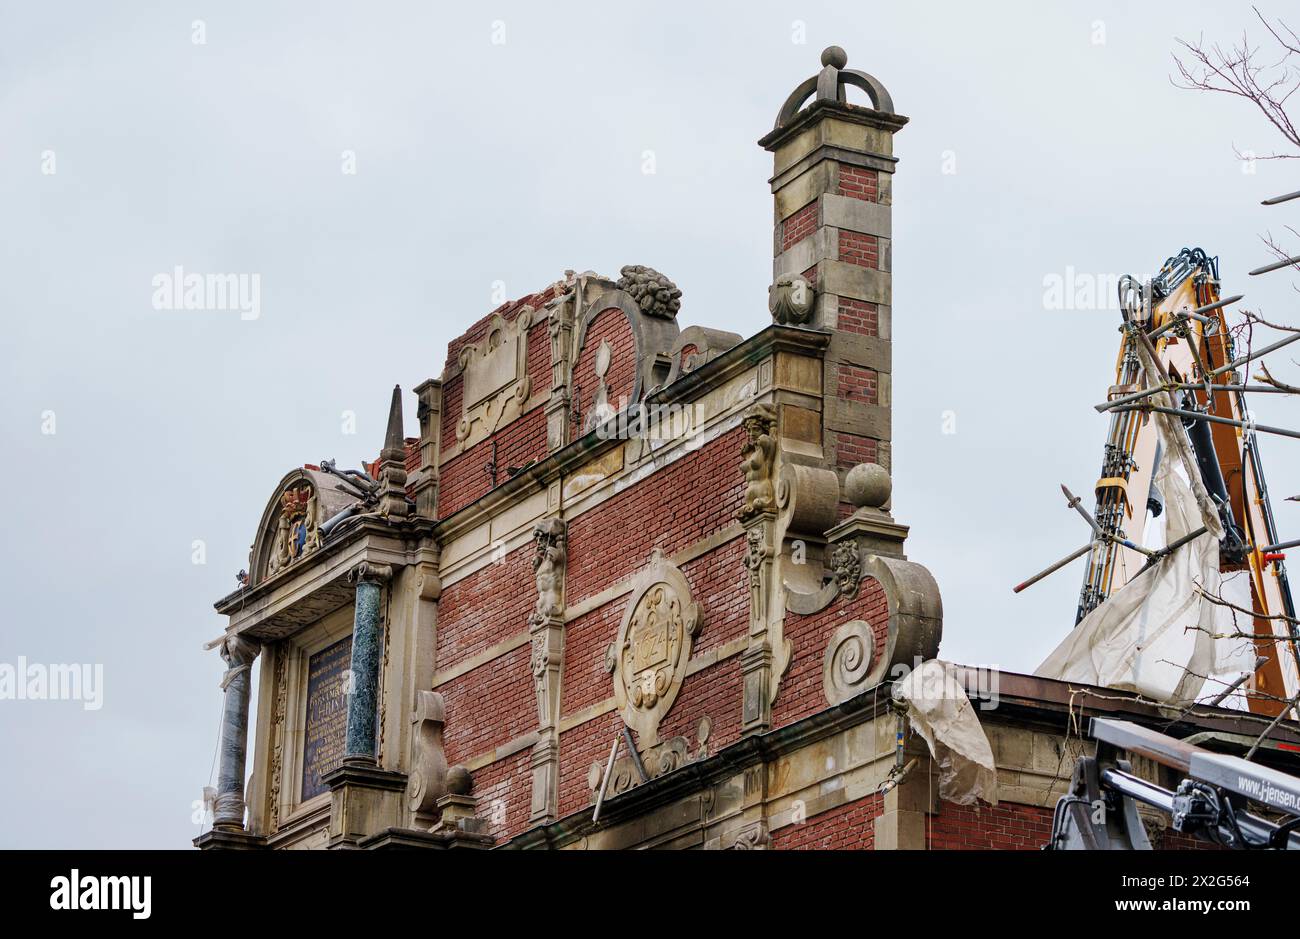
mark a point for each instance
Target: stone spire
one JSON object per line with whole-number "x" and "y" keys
{"x": 833, "y": 167}
{"x": 392, "y": 463}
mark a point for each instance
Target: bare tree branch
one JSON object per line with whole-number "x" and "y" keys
{"x": 1241, "y": 72}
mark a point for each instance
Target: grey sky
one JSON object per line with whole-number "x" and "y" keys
{"x": 480, "y": 162}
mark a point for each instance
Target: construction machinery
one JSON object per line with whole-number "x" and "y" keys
{"x": 1218, "y": 797}
{"x": 1178, "y": 357}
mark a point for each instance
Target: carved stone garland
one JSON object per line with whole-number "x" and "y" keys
{"x": 277, "y": 732}
{"x": 649, "y": 658}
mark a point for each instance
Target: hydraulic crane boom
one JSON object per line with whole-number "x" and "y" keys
{"x": 1177, "y": 323}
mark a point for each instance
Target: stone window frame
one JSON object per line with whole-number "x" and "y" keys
{"x": 299, "y": 648}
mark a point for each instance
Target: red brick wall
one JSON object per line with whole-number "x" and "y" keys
{"x": 489, "y": 706}
{"x": 462, "y": 479}
{"x": 859, "y": 249}
{"x": 688, "y": 500}
{"x": 858, "y": 383}
{"x": 858, "y": 316}
{"x": 801, "y": 692}
{"x": 859, "y": 183}
{"x": 799, "y": 226}
{"x": 848, "y": 827}
{"x": 850, "y": 450}
{"x": 504, "y": 792}
{"x": 682, "y": 504}
{"x": 485, "y": 608}
{"x": 1006, "y": 826}
{"x": 717, "y": 582}
{"x": 611, "y": 326}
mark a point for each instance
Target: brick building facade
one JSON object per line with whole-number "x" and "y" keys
{"x": 613, "y": 530}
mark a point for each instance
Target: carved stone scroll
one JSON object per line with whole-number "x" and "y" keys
{"x": 848, "y": 661}
{"x": 428, "y": 779}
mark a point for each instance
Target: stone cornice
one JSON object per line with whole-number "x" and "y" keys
{"x": 303, "y": 592}
{"x": 820, "y": 110}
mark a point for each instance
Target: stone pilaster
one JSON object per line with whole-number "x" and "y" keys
{"x": 546, "y": 628}
{"x": 758, "y": 515}
{"x": 363, "y": 675}
{"x": 228, "y": 809}
{"x": 832, "y": 184}
{"x": 561, "y": 319}
{"x": 429, "y": 414}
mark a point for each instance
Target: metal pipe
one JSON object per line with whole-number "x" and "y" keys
{"x": 1128, "y": 399}
{"x": 604, "y": 782}
{"x": 328, "y": 525}
{"x": 1129, "y": 785}
{"x": 636, "y": 757}
{"x": 1245, "y": 676}
{"x": 1255, "y": 355}
{"x": 1074, "y": 503}
{"x": 1196, "y": 415}
{"x": 1286, "y": 198}
{"x": 1054, "y": 568}
{"x": 1276, "y": 265}
{"x": 1218, "y": 304}
{"x": 1269, "y": 549}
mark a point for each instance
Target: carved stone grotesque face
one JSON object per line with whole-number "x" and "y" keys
{"x": 846, "y": 566}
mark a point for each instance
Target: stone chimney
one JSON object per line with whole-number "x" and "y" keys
{"x": 833, "y": 169}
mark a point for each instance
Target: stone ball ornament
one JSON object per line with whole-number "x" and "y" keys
{"x": 868, "y": 486}
{"x": 460, "y": 782}
{"x": 835, "y": 57}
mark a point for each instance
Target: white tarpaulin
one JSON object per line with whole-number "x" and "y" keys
{"x": 1154, "y": 635}
{"x": 938, "y": 710}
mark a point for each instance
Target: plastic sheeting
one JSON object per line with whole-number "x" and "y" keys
{"x": 938, "y": 710}
{"x": 1154, "y": 635}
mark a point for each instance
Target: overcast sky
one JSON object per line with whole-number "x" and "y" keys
{"x": 508, "y": 144}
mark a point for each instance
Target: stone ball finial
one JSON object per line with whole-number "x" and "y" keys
{"x": 868, "y": 486}
{"x": 835, "y": 57}
{"x": 459, "y": 781}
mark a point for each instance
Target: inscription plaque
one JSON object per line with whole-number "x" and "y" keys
{"x": 327, "y": 715}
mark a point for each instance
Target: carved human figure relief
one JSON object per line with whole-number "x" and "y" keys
{"x": 546, "y": 623}
{"x": 649, "y": 658}
{"x": 549, "y": 563}
{"x": 758, "y": 458}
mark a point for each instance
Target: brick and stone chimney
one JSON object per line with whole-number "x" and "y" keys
{"x": 833, "y": 168}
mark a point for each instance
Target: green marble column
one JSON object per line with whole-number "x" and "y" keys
{"x": 367, "y": 641}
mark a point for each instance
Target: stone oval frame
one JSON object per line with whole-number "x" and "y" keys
{"x": 645, "y": 719}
